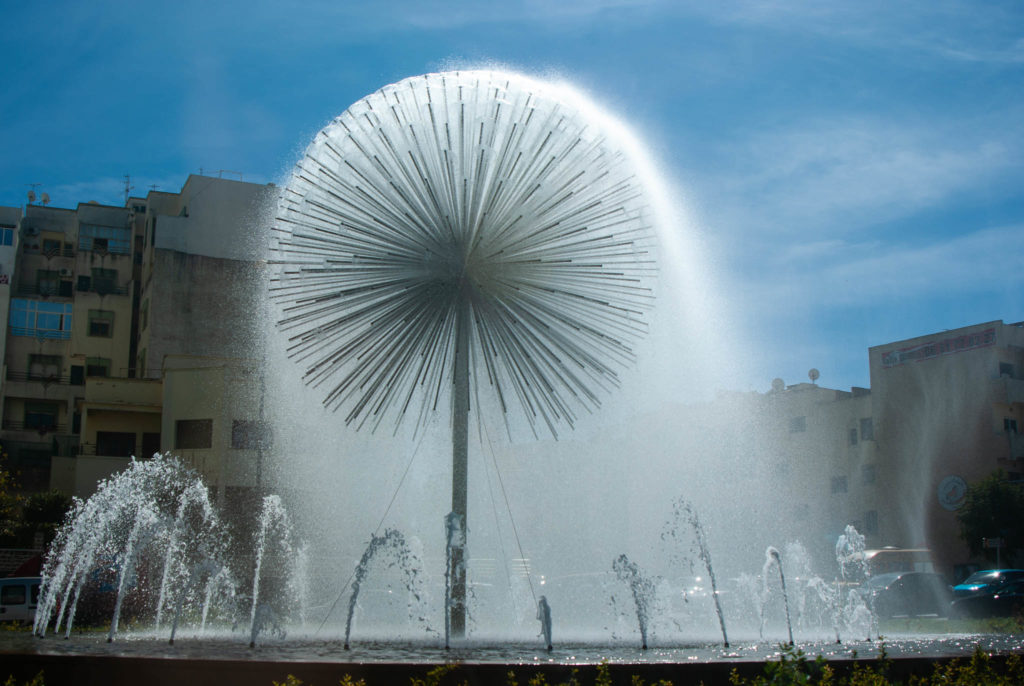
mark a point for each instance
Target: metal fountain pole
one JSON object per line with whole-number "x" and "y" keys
{"x": 460, "y": 451}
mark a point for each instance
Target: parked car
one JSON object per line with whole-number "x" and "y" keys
{"x": 987, "y": 581}
{"x": 18, "y": 598}
{"x": 912, "y": 594}
{"x": 1006, "y": 601}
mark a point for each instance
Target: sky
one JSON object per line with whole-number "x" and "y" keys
{"x": 853, "y": 171}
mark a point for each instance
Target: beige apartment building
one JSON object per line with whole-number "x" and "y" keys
{"x": 124, "y": 324}
{"x": 948, "y": 409}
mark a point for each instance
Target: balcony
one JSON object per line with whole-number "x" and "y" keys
{"x": 41, "y": 429}
{"x": 45, "y": 290}
{"x": 48, "y": 252}
{"x": 45, "y": 379}
{"x": 40, "y": 333}
{"x": 88, "y": 284}
{"x": 94, "y": 450}
{"x": 140, "y": 394}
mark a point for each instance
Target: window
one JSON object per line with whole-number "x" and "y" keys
{"x": 47, "y": 281}
{"x": 77, "y": 375}
{"x": 40, "y": 318}
{"x": 51, "y": 247}
{"x": 868, "y": 474}
{"x": 104, "y": 239}
{"x": 867, "y": 429}
{"x": 13, "y": 594}
{"x": 249, "y": 435}
{"x": 101, "y": 323}
{"x": 97, "y": 366}
{"x": 44, "y": 366}
{"x": 193, "y": 433}
{"x": 1009, "y": 425}
{"x": 839, "y": 484}
{"x": 41, "y": 415}
{"x": 6, "y": 234}
{"x": 797, "y": 424}
{"x": 115, "y": 443}
{"x": 104, "y": 280}
{"x": 871, "y": 522}
{"x": 1006, "y": 369}
{"x": 853, "y": 437}
{"x": 145, "y": 314}
{"x": 84, "y": 283}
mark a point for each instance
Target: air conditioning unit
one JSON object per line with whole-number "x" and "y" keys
{"x": 31, "y": 231}
{"x": 66, "y": 272}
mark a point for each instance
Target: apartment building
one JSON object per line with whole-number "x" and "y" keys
{"x": 100, "y": 298}
{"x": 70, "y": 319}
{"x": 949, "y": 408}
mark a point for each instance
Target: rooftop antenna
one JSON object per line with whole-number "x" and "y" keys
{"x": 813, "y": 374}
{"x": 32, "y": 192}
{"x": 128, "y": 188}
{"x": 46, "y": 198}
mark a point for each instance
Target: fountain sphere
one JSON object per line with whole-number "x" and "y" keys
{"x": 481, "y": 204}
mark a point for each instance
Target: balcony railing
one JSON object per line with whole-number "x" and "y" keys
{"x": 103, "y": 287}
{"x": 52, "y": 252}
{"x": 45, "y": 290}
{"x": 45, "y": 379}
{"x": 40, "y": 333}
{"x": 41, "y": 429}
{"x": 58, "y": 252}
{"x": 94, "y": 450}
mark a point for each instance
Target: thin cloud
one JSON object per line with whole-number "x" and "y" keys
{"x": 840, "y": 176}
{"x": 948, "y": 29}
{"x": 840, "y": 273}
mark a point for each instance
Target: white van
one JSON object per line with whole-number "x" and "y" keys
{"x": 18, "y": 598}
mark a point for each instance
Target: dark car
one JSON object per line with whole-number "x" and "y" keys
{"x": 912, "y": 594}
{"x": 987, "y": 582}
{"x": 1006, "y": 601}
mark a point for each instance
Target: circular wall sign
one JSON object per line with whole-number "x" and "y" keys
{"x": 952, "y": 492}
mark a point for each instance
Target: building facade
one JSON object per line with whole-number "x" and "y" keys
{"x": 99, "y": 299}
{"x": 949, "y": 411}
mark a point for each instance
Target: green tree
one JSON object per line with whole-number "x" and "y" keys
{"x": 993, "y": 508}
{"x": 10, "y": 504}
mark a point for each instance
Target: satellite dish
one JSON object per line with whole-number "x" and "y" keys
{"x": 813, "y": 374}
{"x": 31, "y": 197}
{"x": 46, "y": 198}
{"x": 778, "y": 385}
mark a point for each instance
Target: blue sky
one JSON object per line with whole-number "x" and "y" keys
{"x": 855, "y": 170}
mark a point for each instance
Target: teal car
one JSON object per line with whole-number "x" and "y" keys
{"x": 987, "y": 581}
